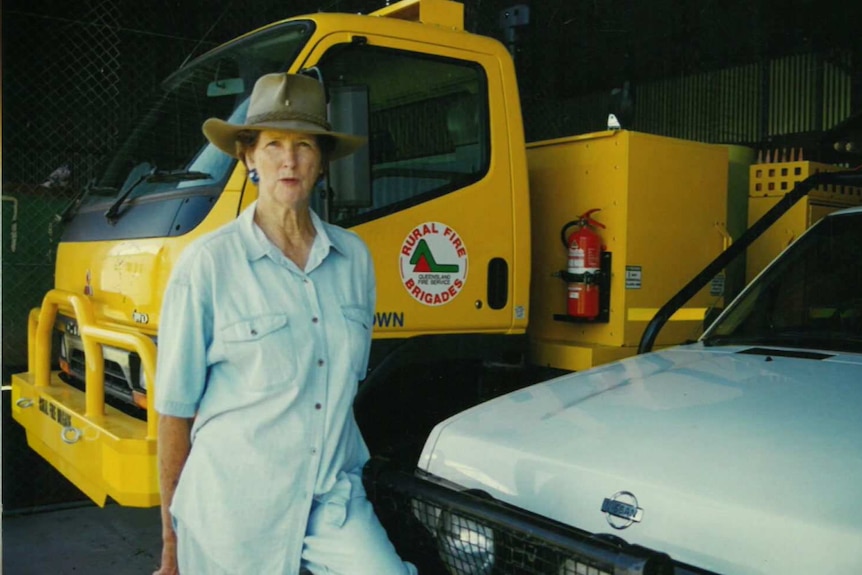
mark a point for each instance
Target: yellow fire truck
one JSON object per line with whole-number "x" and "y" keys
{"x": 468, "y": 225}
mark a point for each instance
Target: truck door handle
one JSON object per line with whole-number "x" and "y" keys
{"x": 498, "y": 283}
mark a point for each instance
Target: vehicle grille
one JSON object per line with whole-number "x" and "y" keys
{"x": 469, "y": 546}
{"x": 115, "y": 380}
{"x": 450, "y": 532}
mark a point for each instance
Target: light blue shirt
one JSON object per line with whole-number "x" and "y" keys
{"x": 267, "y": 358}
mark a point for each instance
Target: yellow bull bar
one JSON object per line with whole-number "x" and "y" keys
{"x": 100, "y": 449}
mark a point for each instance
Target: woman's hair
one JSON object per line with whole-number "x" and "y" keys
{"x": 246, "y": 140}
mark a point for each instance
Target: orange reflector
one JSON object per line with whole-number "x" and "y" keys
{"x": 140, "y": 399}
{"x": 65, "y": 367}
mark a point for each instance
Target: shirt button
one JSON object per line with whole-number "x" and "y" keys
{"x": 314, "y": 451}
{"x": 317, "y": 406}
{"x": 254, "y": 332}
{"x": 320, "y": 362}
{"x": 314, "y": 320}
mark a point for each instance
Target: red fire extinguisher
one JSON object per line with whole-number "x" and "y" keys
{"x": 585, "y": 260}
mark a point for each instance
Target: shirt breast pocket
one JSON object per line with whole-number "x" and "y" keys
{"x": 358, "y": 322}
{"x": 261, "y": 350}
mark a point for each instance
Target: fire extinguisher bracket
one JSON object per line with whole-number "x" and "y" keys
{"x": 602, "y": 279}
{"x": 587, "y": 278}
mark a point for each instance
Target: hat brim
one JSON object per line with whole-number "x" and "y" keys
{"x": 223, "y": 135}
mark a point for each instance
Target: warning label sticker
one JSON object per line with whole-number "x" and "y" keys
{"x": 633, "y": 277}
{"x": 433, "y": 263}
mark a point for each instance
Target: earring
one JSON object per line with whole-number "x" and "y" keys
{"x": 254, "y": 176}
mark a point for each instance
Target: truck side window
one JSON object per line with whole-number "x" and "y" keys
{"x": 428, "y": 124}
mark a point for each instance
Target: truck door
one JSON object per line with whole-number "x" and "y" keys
{"x": 439, "y": 218}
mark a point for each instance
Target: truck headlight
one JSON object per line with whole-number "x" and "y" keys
{"x": 466, "y": 546}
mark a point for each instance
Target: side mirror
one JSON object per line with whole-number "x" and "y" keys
{"x": 350, "y": 177}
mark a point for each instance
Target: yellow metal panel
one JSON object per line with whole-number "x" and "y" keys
{"x": 776, "y": 179}
{"x": 567, "y": 178}
{"x": 129, "y": 276}
{"x": 741, "y": 159}
{"x": 768, "y": 184}
{"x": 777, "y": 237}
{"x": 682, "y": 314}
{"x": 576, "y": 357}
{"x": 442, "y": 13}
{"x": 678, "y": 206}
{"x": 663, "y": 202}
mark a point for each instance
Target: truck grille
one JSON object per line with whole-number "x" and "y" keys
{"x": 115, "y": 381}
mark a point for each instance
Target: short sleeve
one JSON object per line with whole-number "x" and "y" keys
{"x": 185, "y": 333}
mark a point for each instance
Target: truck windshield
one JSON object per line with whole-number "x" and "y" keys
{"x": 809, "y": 299}
{"x": 169, "y": 142}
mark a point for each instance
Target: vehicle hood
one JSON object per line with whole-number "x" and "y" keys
{"x": 742, "y": 460}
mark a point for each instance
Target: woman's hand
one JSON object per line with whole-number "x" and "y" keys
{"x": 169, "y": 559}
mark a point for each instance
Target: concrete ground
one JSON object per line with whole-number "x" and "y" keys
{"x": 80, "y": 540}
{"x": 50, "y": 527}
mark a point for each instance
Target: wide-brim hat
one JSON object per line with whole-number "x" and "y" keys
{"x": 283, "y": 102}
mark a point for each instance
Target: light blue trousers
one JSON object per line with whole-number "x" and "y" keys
{"x": 339, "y": 540}
{"x": 349, "y": 540}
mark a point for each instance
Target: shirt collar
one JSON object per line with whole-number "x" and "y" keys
{"x": 257, "y": 245}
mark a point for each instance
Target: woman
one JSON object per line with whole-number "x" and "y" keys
{"x": 265, "y": 331}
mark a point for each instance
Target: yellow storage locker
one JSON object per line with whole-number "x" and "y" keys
{"x": 663, "y": 202}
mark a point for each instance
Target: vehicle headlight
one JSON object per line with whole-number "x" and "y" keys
{"x": 465, "y": 545}
{"x": 63, "y": 347}
{"x": 575, "y": 567}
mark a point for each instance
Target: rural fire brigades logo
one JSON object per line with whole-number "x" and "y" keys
{"x": 433, "y": 263}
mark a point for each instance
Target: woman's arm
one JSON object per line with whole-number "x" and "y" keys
{"x": 174, "y": 442}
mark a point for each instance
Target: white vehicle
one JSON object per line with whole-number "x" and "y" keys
{"x": 739, "y": 453}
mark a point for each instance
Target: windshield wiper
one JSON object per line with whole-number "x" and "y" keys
{"x": 153, "y": 176}
{"x": 162, "y": 176}
{"x": 68, "y": 212}
{"x": 113, "y": 213}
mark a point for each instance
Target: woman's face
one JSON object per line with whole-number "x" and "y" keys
{"x": 289, "y": 164}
